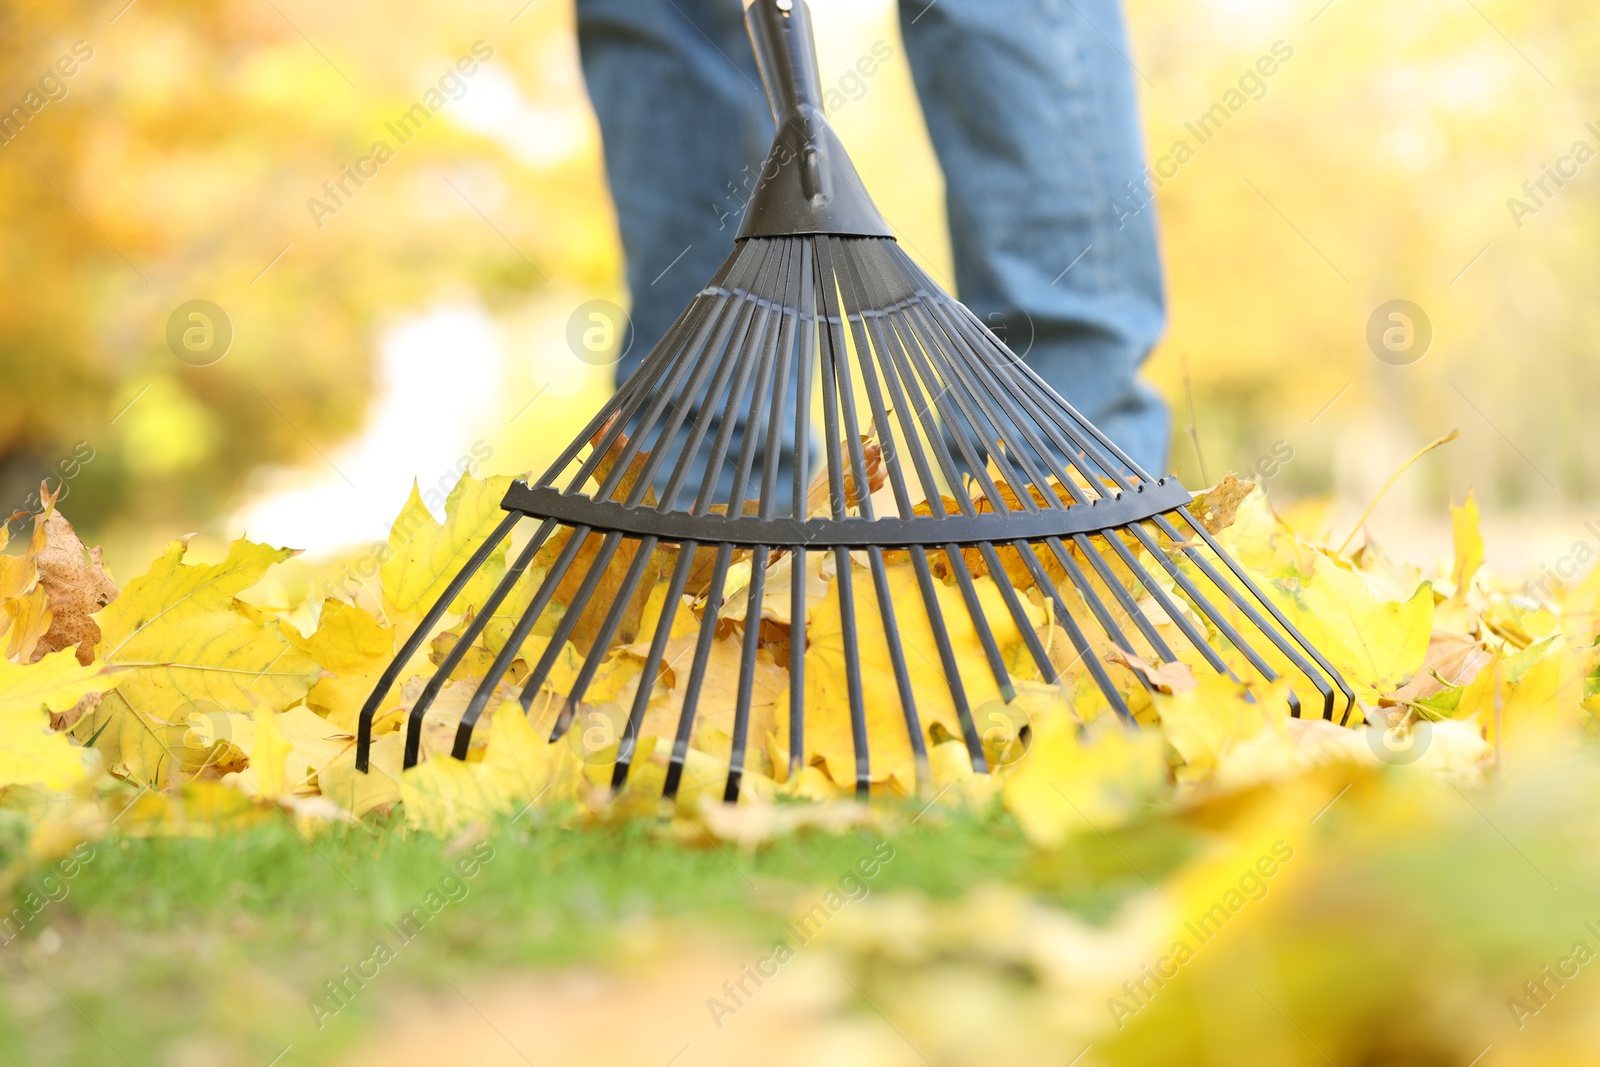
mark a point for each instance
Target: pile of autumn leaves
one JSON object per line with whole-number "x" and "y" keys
{"x": 175, "y": 690}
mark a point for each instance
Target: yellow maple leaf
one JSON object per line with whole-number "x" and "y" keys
{"x": 426, "y": 554}
{"x": 519, "y": 769}
{"x": 354, "y": 649}
{"x": 1468, "y": 544}
{"x": 269, "y": 757}
{"x": 1071, "y": 783}
{"x": 1376, "y": 644}
{"x": 1536, "y": 692}
{"x": 1203, "y": 722}
{"x": 27, "y": 618}
{"x": 30, "y": 752}
{"x": 358, "y": 792}
{"x": 188, "y": 639}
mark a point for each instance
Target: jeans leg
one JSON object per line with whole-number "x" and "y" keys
{"x": 1030, "y": 106}
{"x": 685, "y": 127}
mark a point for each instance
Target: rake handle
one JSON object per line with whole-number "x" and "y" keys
{"x": 786, "y": 56}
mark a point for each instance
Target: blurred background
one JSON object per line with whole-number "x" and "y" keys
{"x": 415, "y": 324}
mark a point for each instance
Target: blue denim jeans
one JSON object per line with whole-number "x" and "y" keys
{"x": 1030, "y": 106}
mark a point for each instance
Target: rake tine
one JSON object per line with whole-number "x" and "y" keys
{"x": 847, "y": 402}
{"x": 797, "y": 662}
{"x": 1173, "y": 610}
{"x": 852, "y": 673}
{"x": 833, "y": 351}
{"x": 608, "y": 629}
{"x": 1079, "y": 640}
{"x": 947, "y": 659}
{"x": 926, "y": 421}
{"x": 802, "y": 385}
{"x": 1279, "y": 641}
{"x": 733, "y": 312}
{"x": 1248, "y": 583}
{"x": 869, "y": 344}
{"x": 747, "y": 672}
{"x": 1008, "y": 593}
{"x": 960, "y": 424}
{"x": 949, "y": 368}
{"x": 760, "y": 400}
{"x": 652, "y": 664}
{"x": 837, "y": 398}
{"x": 582, "y": 602}
{"x": 845, "y": 381}
{"x": 897, "y": 661}
{"x": 1006, "y": 392}
{"x": 1209, "y": 609}
{"x": 718, "y": 404}
{"x": 1072, "y": 451}
{"x": 773, "y": 382}
{"x": 513, "y": 646}
{"x": 980, "y": 621}
{"x": 960, "y": 358}
{"x": 967, "y": 362}
{"x": 697, "y": 672}
{"x": 1080, "y": 581}
{"x": 1124, "y": 599}
{"x": 887, "y": 340}
{"x": 420, "y": 634}
{"x": 706, "y": 314}
{"x": 458, "y": 651}
{"x": 806, "y": 329}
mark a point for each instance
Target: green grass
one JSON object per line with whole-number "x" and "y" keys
{"x": 211, "y": 949}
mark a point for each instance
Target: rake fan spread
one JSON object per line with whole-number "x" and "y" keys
{"x": 940, "y": 450}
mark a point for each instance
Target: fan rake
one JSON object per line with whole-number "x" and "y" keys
{"x": 971, "y": 469}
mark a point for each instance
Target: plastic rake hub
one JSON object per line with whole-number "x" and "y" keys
{"x": 817, "y": 305}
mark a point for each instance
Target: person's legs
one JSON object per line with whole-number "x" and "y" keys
{"x": 1030, "y": 106}
{"x": 685, "y": 127}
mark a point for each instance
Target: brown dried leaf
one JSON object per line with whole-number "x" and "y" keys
{"x": 76, "y": 584}
{"x": 1217, "y": 506}
{"x": 1164, "y": 677}
{"x": 818, "y": 494}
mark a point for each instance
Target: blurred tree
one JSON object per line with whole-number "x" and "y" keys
{"x": 181, "y": 161}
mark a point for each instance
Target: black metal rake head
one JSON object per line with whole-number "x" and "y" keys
{"x": 941, "y": 451}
